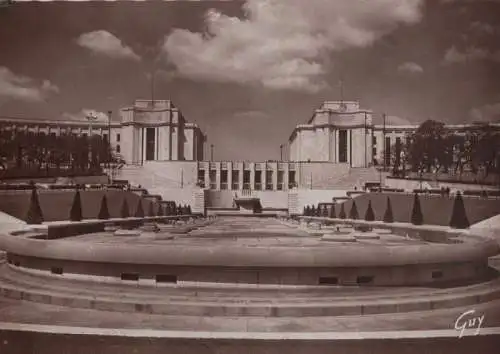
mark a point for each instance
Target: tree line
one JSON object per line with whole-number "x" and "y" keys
{"x": 434, "y": 149}
{"x": 39, "y": 154}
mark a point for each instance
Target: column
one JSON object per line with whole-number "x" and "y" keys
{"x": 349, "y": 142}
{"x": 240, "y": 174}
{"x": 217, "y": 175}
{"x": 230, "y": 175}
{"x": 252, "y": 175}
{"x": 286, "y": 171}
{"x": 207, "y": 175}
{"x": 336, "y": 134}
{"x": 275, "y": 176}
{"x": 263, "y": 176}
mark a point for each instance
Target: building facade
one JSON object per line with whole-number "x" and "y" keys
{"x": 341, "y": 132}
{"x": 147, "y": 131}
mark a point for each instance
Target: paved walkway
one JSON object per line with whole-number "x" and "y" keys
{"x": 34, "y": 313}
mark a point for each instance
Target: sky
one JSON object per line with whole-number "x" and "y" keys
{"x": 247, "y": 72}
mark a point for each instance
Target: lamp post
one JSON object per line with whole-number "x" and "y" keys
{"x": 365, "y": 139}
{"x": 383, "y": 142}
{"x": 281, "y": 152}
{"x": 109, "y": 146}
{"x": 211, "y": 152}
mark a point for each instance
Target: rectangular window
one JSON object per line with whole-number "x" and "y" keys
{"x": 201, "y": 178}
{"x": 213, "y": 179}
{"x": 246, "y": 179}
{"x": 150, "y": 144}
{"x": 280, "y": 180}
{"x": 130, "y": 276}
{"x": 56, "y": 270}
{"x": 258, "y": 180}
{"x": 387, "y": 154}
{"x": 437, "y": 274}
{"x": 223, "y": 180}
{"x": 235, "y": 176}
{"x": 269, "y": 180}
{"x": 328, "y": 281}
{"x": 342, "y": 145}
{"x": 364, "y": 279}
{"x": 118, "y": 137}
{"x": 291, "y": 179}
{"x": 118, "y": 148}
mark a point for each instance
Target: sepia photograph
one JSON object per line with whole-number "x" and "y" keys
{"x": 250, "y": 176}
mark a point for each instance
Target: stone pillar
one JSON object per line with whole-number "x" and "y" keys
{"x": 336, "y": 134}
{"x": 252, "y": 175}
{"x": 286, "y": 171}
{"x": 240, "y": 175}
{"x": 230, "y": 175}
{"x": 275, "y": 176}
{"x": 207, "y": 176}
{"x": 263, "y": 176}
{"x": 217, "y": 175}
{"x": 349, "y": 142}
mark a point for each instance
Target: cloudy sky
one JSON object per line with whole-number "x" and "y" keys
{"x": 248, "y": 71}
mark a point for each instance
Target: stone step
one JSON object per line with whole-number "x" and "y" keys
{"x": 243, "y": 308}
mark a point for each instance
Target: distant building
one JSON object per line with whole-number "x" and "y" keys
{"x": 147, "y": 131}
{"x": 340, "y": 135}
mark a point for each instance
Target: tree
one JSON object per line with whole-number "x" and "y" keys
{"x": 416, "y": 214}
{"x": 353, "y": 214}
{"x": 124, "y": 212}
{"x": 369, "y": 215}
{"x": 103, "y": 211}
{"x": 35, "y": 215}
{"x": 313, "y": 211}
{"x": 139, "y": 212}
{"x": 189, "y": 210}
{"x": 307, "y": 210}
{"x": 459, "y": 218}
{"x": 388, "y": 217}
{"x": 342, "y": 214}
{"x": 76, "y": 208}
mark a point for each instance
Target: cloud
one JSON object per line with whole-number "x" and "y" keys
{"x": 101, "y": 116}
{"x": 411, "y": 68}
{"x": 454, "y": 56}
{"x": 282, "y": 44}
{"x": 24, "y": 88}
{"x": 482, "y": 27}
{"x": 107, "y": 44}
{"x": 486, "y": 113}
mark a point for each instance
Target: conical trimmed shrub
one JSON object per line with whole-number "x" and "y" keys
{"x": 313, "y": 211}
{"x": 304, "y": 211}
{"x": 388, "y": 217}
{"x": 369, "y": 215}
{"x": 139, "y": 211}
{"x": 125, "y": 212}
{"x": 416, "y": 214}
{"x": 332, "y": 212}
{"x": 180, "y": 210}
{"x": 75, "y": 213}
{"x": 189, "y": 210}
{"x": 342, "y": 214}
{"x": 34, "y": 215}
{"x": 103, "y": 211}
{"x": 151, "y": 211}
{"x": 459, "y": 218}
{"x": 353, "y": 214}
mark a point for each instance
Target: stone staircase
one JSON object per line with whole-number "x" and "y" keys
{"x": 236, "y": 299}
